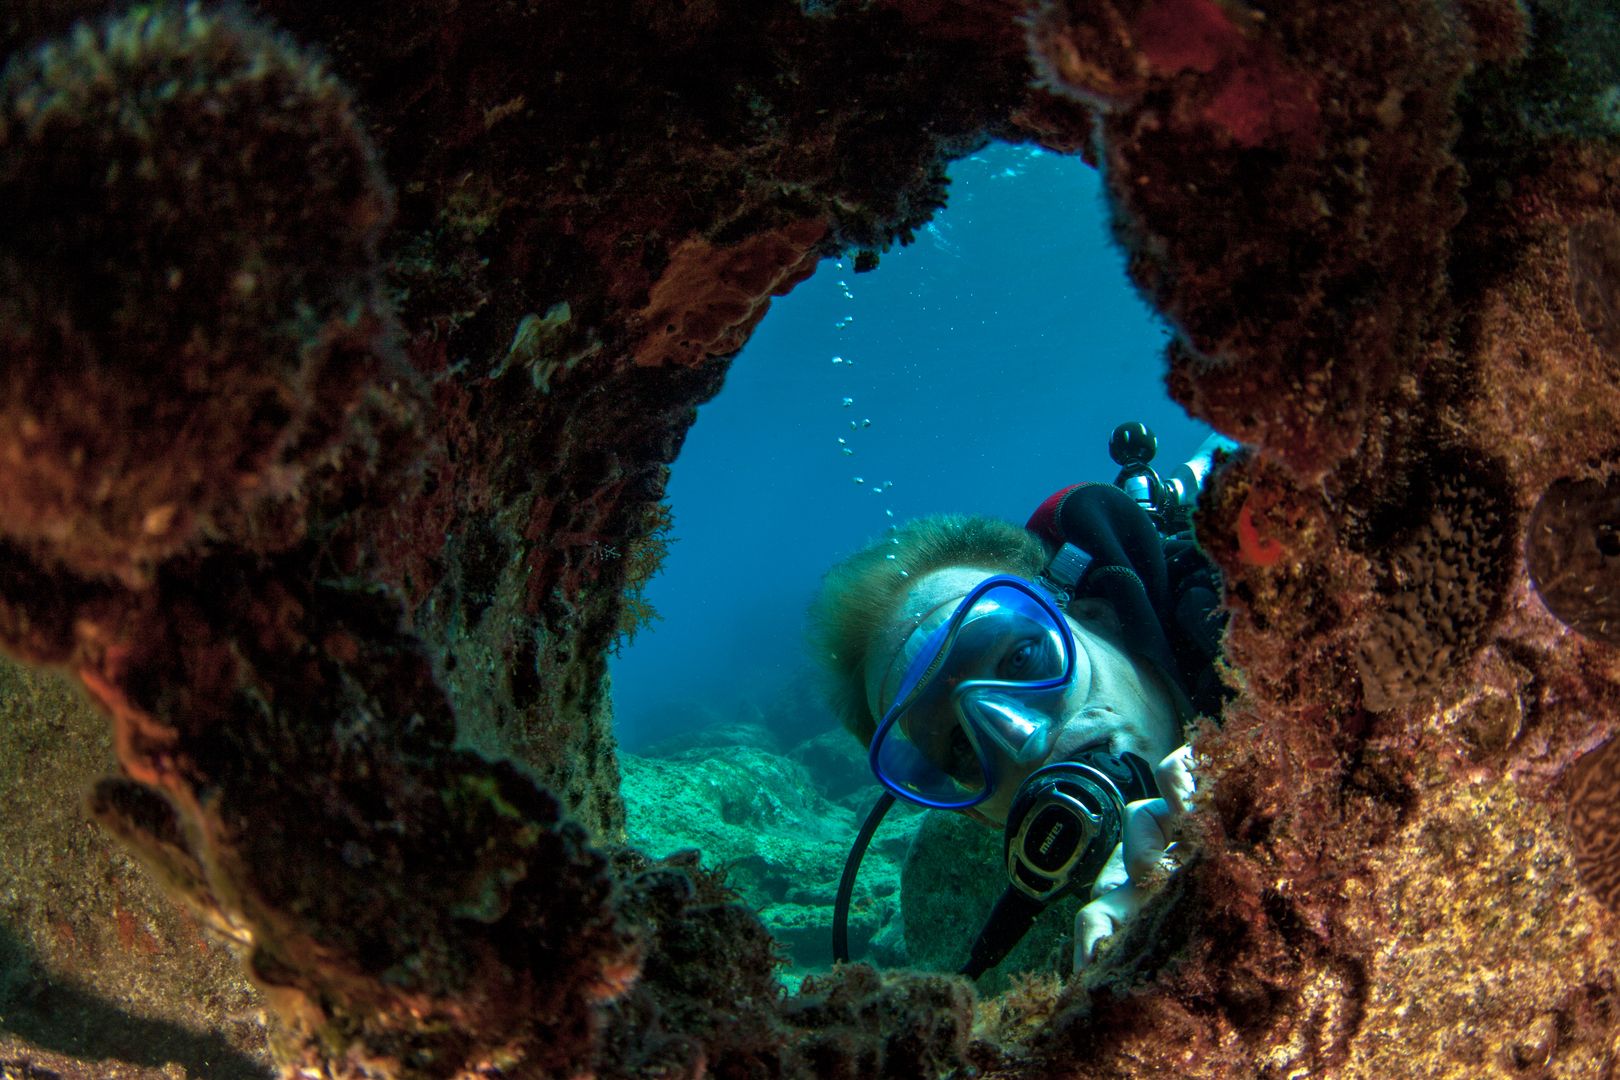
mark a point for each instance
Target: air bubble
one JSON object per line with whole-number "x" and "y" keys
{"x": 848, "y": 402}
{"x": 860, "y": 480}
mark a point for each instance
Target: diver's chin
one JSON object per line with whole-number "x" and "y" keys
{"x": 988, "y": 820}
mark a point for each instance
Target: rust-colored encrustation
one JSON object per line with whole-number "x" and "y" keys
{"x": 343, "y": 347}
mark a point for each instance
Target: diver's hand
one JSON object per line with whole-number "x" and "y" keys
{"x": 1139, "y": 860}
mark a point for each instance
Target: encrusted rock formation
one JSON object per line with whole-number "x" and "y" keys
{"x": 1573, "y": 551}
{"x": 759, "y": 819}
{"x": 343, "y": 348}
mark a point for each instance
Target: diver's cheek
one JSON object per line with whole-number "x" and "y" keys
{"x": 1084, "y": 663}
{"x": 1082, "y": 721}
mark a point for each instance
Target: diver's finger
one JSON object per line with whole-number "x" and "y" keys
{"x": 1100, "y": 918}
{"x": 1174, "y": 775}
{"x": 1113, "y": 873}
{"x": 1147, "y": 828}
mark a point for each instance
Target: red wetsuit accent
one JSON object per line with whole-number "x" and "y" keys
{"x": 1044, "y": 521}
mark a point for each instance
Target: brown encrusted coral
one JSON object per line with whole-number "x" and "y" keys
{"x": 863, "y": 1023}
{"x": 1572, "y": 546}
{"x": 1594, "y": 821}
{"x": 735, "y": 284}
{"x": 423, "y": 902}
{"x": 173, "y": 369}
{"x": 1510, "y": 971}
{"x": 1441, "y": 586}
{"x": 1594, "y": 273}
{"x": 1280, "y": 259}
{"x": 707, "y": 1002}
{"x": 1368, "y": 282}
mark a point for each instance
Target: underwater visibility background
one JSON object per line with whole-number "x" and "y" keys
{"x": 946, "y": 380}
{"x": 959, "y": 351}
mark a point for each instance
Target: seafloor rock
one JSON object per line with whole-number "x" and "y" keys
{"x": 95, "y": 963}
{"x": 698, "y": 726}
{"x": 202, "y": 352}
{"x": 759, "y": 822}
{"x": 837, "y": 763}
{"x": 328, "y": 511}
{"x": 953, "y": 874}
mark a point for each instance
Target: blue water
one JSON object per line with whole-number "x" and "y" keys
{"x": 992, "y": 357}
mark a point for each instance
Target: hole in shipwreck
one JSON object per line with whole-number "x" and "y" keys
{"x": 977, "y": 371}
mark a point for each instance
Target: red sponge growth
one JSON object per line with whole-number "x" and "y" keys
{"x": 1187, "y": 35}
{"x": 1251, "y": 94}
{"x": 1254, "y": 547}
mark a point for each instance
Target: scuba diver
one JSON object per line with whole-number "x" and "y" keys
{"x": 1038, "y": 680}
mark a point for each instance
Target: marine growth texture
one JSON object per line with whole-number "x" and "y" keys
{"x": 343, "y": 347}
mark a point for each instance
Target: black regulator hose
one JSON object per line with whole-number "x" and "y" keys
{"x": 852, "y": 866}
{"x": 1009, "y": 921}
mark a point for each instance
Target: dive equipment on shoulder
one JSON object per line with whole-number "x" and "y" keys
{"x": 1063, "y": 573}
{"x": 1169, "y": 501}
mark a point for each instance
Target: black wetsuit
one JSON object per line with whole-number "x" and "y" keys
{"x": 1164, "y": 591}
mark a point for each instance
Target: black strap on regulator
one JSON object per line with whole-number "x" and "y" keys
{"x": 1005, "y": 927}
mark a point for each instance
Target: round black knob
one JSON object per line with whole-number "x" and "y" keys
{"x": 1133, "y": 444}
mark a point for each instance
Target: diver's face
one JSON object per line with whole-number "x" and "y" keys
{"x": 1112, "y": 703}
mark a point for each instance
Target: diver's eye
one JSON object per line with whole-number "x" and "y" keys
{"x": 1016, "y": 663}
{"x": 1030, "y": 659}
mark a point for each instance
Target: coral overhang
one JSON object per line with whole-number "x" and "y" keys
{"x": 340, "y": 340}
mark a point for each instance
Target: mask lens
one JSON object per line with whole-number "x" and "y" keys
{"x": 927, "y": 755}
{"x": 975, "y": 688}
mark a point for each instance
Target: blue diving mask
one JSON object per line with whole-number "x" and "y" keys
{"x": 984, "y": 686}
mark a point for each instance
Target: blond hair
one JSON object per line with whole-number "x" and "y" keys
{"x": 858, "y": 596}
